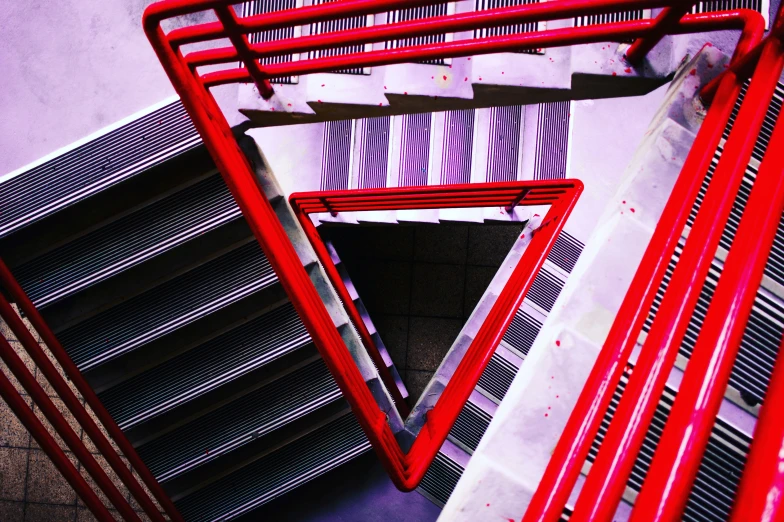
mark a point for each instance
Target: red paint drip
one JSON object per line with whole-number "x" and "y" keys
{"x": 624, "y": 201}
{"x": 615, "y": 74}
{"x": 289, "y": 105}
{"x": 445, "y": 77}
{"x": 546, "y": 414}
{"x": 628, "y": 70}
{"x": 557, "y": 343}
{"x": 632, "y": 210}
{"x": 693, "y": 72}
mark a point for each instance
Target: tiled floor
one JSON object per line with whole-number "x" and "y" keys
{"x": 31, "y": 488}
{"x": 420, "y": 283}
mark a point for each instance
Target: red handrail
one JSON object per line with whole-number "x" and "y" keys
{"x": 405, "y": 469}
{"x": 505, "y": 195}
{"x": 689, "y": 423}
{"x": 17, "y": 294}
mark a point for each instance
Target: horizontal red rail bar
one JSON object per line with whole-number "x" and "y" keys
{"x": 437, "y": 25}
{"x": 617, "y": 31}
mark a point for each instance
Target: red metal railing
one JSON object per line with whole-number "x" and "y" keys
{"x": 183, "y": 69}
{"x": 74, "y": 405}
{"x": 679, "y": 451}
{"x": 560, "y": 195}
{"x": 407, "y": 470}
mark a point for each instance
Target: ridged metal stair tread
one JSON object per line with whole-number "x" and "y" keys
{"x": 272, "y": 475}
{"x": 128, "y": 241}
{"x": 173, "y": 304}
{"x": 206, "y": 367}
{"x": 441, "y": 478}
{"x": 241, "y": 421}
{"x": 719, "y": 473}
{"x": 545, "y": 290}
{"x": 565, "y": 251}
{"x": 470, "y": 425}
{"x": 522, "y": 332}
{"x": 497, "y": 377}
{"x": 127, "y": 150}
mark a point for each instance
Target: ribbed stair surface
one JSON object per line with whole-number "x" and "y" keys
{"x": 95, "y": 165}
{"x": 128, "y": 241}
{"x": 470, "y": 426}
{"x": 177, "y": 302}
{"x": 276, "y": 473}
{"x": 240, "y": 422}
{"x": 497, "y": 377}
{"x": 441, "y": 478}
{"x": 206, "y": 367}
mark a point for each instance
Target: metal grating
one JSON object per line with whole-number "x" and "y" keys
{"x": 522, "y": 332}
{"x": 415, "y": 150}
{"x": 623, "y": 16}
{"x": 545, "y": 290}
{"x": 240, "y": 422}
{"x": 470, "y": 426}
{"x": 169, "y": 306}
{"x": 276, "y": 473}
{"x": 374, "y": 152}
{"x": 128, "y": 241}
{"x": 417, "y": 13}
{"x": 441, "y": 479}
{"x": 720, "y": 470}
{"x": 565, "y": 251}
{"x": 505, "y": 127}
{"x": 336, "y": 155}
{"x": 92, "y": 166}
{"x": 257, "y": 7}
{"x": 206, "y": 367}
{"x": 726, "y": 5}
{"x": 552, "y": 140}
{"x": 330, "y": 26}
{"x": 525, "y": 27}
{"x": 497, "y": 377}
{"x": 458, "y": 146}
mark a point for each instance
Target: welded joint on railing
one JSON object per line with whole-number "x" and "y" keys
{"x": 510, "y": 207}
{"x": 329, "y": 208}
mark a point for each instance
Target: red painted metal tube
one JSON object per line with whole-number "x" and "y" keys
{"x": 686, "y": 433}
{"x": 241, "y": 45}
{"x": 424, "y": 27}
{"x": 51, "y": 448}
{"x": 663, "y": 24}
{"x": 18, "y": 369}
{"x": 76, "y": 408}
{"x": 268, "y": 21}
{"x": 607, "y": 479}
{"x": 617, "y": 31}
{"x": 760, "y": 497}
{"x": 18, "y": 295}
{"x": 580, "y": 431}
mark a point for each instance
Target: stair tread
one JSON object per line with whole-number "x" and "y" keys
{"x": 272, "y": 475}
{"x": 206, "y": 367}
{"x": 165, "y": 308}
{"x": 128, "y": 241}
{"x": 240, "y": 421}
